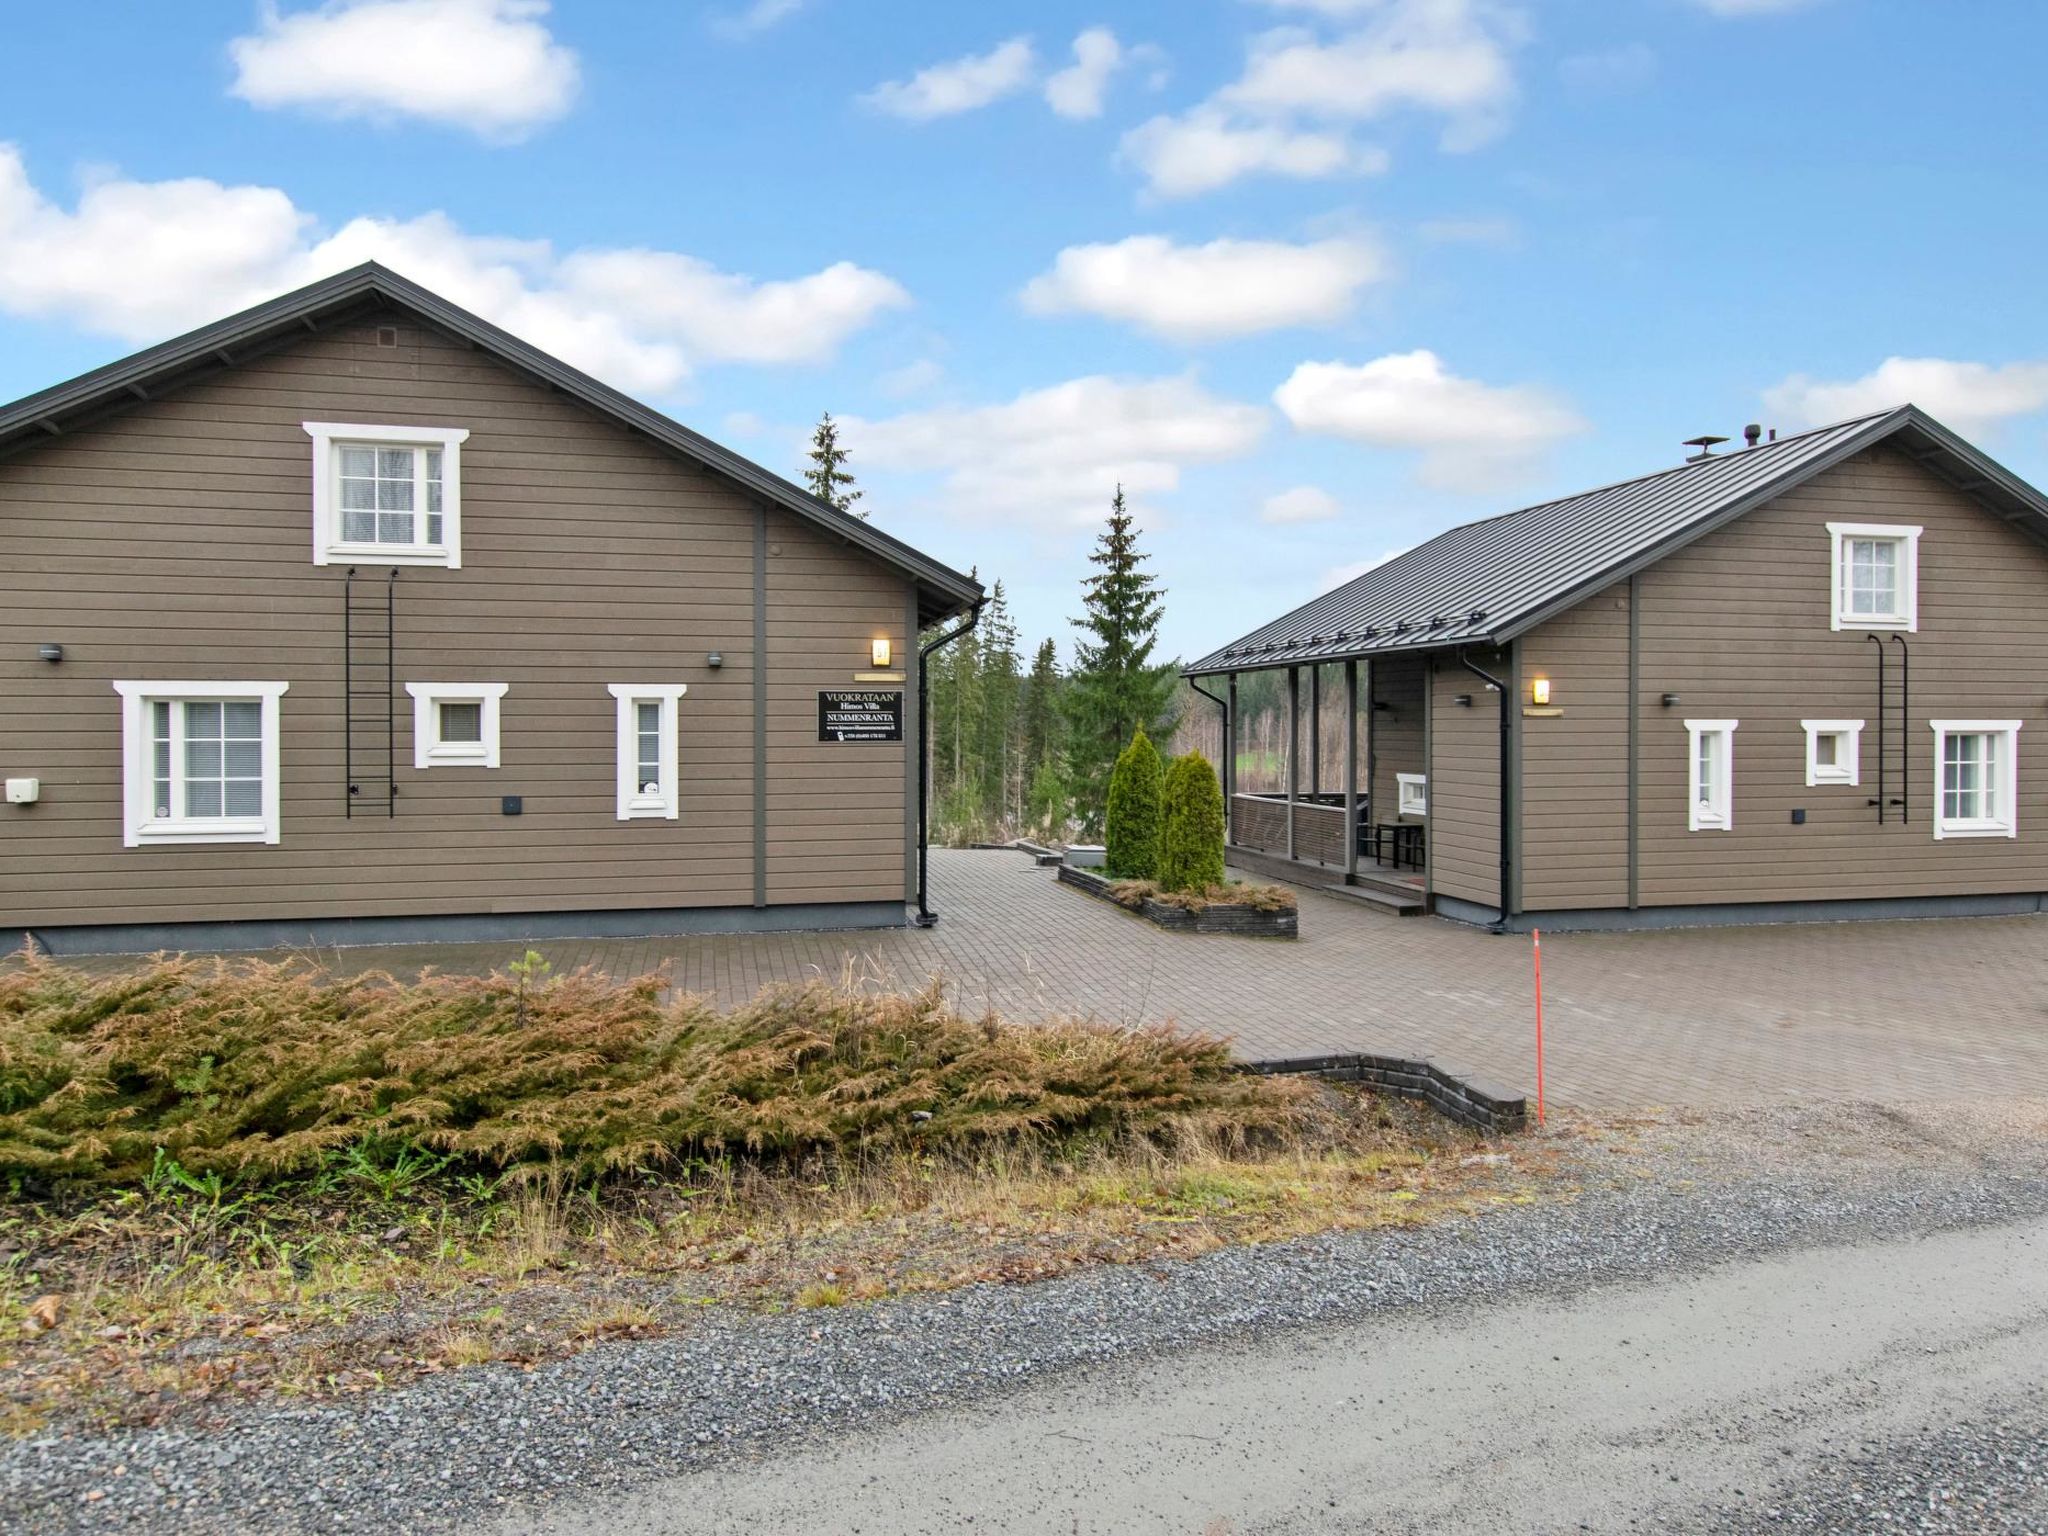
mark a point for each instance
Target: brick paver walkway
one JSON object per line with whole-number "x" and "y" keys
{"x": 1896, "y": 1010}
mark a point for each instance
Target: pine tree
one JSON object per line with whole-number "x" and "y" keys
{"x": 828, "y": 478}
{"x": 999, "y": 789}
{"x": 1116, "y": 689}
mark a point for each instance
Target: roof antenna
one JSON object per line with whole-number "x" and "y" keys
{"x": 1752, "y": 435}
{"x": 1705, "y": 444}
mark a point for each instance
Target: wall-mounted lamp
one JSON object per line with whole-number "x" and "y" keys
{"x": 1539, "y": 691}
{"x": 715, "y": 660}
{"x": 50, "y": 652}
{"x": 880, "y": 651}
{"x": 1670, "y": 701}
{"x": 1462, "y": 700}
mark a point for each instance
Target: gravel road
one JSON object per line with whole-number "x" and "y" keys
{"x": 1840, "y": 1312}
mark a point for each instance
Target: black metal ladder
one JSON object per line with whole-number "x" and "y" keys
{"x": 369, "y": 691}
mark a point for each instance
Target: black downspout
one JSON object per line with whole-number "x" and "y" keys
{"x": 1226, "y": 757}
{"x": 1507, "y": 792}
{"x": 926, "y": 917}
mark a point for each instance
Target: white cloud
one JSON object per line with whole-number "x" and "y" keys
{"x": 755, "y": 18}
{"x": 140, "y": 260}
{"x": 1470, "y": 435}
{"x": 1208, "y": 292}
{"x": 1302, "y": 504}
{"x": 490, "y": 66}
{"x": 1338, "y": 575}
{"x": 1052, "y": 458}
{"x": 1971, "y": 397}
{"x": 962, "y": 85}
{"x": 1079, "y": 89}
{"x": 1206, "y": 149}
{"x": 1751, "y": 7}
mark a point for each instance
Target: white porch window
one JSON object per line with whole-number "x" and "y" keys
{"x": 1976, "y": 778}
{"x": 388, "y": 494}
{"x": 199, "y": 762}
{"x": 1411, "y": 796}
{"x": 1876, "y": 573}
{"x": 455, "y": 725}
{"x": 648, "y": 749}
{"x": 1710, "y": 776}
{"x": 1834, "y": 751}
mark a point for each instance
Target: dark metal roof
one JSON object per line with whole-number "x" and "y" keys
{"x": 941, "y": 590}
{"x": 1486, "y": 582}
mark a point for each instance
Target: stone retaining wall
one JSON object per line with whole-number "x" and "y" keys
{"x": 1462, "y": 1098}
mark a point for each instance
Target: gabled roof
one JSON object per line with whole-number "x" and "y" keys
{"x": 64, "y": 407}
{"x": 1485, "y": 583}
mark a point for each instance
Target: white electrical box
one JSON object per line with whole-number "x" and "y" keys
{"x": 24, "y": 791}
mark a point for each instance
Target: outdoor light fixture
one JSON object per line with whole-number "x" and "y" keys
{"x": 1670, "y": 701}
{"x": 715, "y": 660}
{"x": 50, "y": 652}
{"x": 880, "y": 651}
{"x": 1463, "y": 700}
{"x": 1539, "y": 691}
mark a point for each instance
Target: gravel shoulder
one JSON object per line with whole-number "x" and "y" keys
{"x": 1659, "y": 1200}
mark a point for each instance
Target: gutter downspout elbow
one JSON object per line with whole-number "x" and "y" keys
{"x": 1500, "y": 925}
{"x": 926, "y": 917}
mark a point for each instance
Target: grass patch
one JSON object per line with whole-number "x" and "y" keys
{"x": 281, "y": 1222}
{"x": 1260, "y": 898}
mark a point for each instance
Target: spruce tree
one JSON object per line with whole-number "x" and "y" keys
{"x": 1115, "y": 689}
{"x": 998, "y": 786}
{"x": 828, "y": 477}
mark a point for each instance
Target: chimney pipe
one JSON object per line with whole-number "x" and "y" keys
{"x": 1774, "y": 434}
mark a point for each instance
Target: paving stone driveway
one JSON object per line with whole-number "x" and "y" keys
{"x": 1729, "y": 1016}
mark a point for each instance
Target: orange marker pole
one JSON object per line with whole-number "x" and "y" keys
{"x": 1537, "y": 937}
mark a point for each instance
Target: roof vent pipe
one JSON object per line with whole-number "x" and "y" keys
{"x": 1752, "y": 434}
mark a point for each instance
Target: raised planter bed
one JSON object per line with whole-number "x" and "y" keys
{"x": 1214, "y": 917}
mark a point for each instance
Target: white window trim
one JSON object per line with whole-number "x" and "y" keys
{"x": 139, "y": 825}
{"x": 1419, "y": 783}
{"x": 633, "y": 805}
{"x": 328, "y": 545}
{"x": 428, "y": 750}
{"x": 1839, "y": 535}
{"x": 1716, "y": 818}
{"x": 2007, "y": 825}
{"x": 1847, "y": 771}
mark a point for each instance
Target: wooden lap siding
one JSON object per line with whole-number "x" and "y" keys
{"x": 174, "y": 541}
{"x": 1464, "y": 780}
{"x": 1397, "y": 739}
{"x": 1737, "y": 625}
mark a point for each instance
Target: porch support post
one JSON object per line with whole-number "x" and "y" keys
{"x": 1230, "y": 763}
{"x": 1315, "y": 731}
{"x": 1293, "y": 750}
{"x": 1350, "y": 771}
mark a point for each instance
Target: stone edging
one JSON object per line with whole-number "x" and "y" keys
{"x": 1217, "y": 917}
{"x": 1464, "y": 1099}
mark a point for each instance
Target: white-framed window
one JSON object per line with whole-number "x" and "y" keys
{"x": 1876, "y": 572}
{"x": 1834, "y": 751}
{"x": 647, "y": 749}
{"x": 455, "y": 725}
{"x": 388, "y": 494}
{"x": 199, "y": 762}
{"x": 1710, "y": 775}
{"x": 1976, "y": 778}
{"x": 1411, "y": 794}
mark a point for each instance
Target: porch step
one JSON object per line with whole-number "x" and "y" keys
{"x": 1385, "y": 885}
{"x": 1377, "y": 898}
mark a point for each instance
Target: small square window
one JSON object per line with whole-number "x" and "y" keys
{"x": 1876, "y": 573}
{"x": 389, "y": 494}
{"x": 1833, "y": 751}
{"x": 455, "y": 725}
{"x": 1411, "y": 794}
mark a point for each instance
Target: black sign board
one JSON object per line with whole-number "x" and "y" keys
{"x": 859, "y": 715}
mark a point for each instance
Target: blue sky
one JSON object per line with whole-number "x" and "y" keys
{"x": 1314, "y": 278}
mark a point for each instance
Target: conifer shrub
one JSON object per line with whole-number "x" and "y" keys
{"x": 1191, "y": 835}
{"x": 1136, "y": 785}
{"x": 264, "y": 1071}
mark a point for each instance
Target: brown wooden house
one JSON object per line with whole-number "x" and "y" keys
{"x": 354, "y": 618}
{"x": 1798, "y": 680}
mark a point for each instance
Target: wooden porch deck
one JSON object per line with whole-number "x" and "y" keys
{"x": 1396, "y": 892}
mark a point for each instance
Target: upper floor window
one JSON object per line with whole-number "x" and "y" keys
{"x": 1876, "y": 575}
{"x": 199, "y": 762}
{"x": 387, "y": 494}
{"x": 1976, "y": 778}
{"x": 1710, "y": 778}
